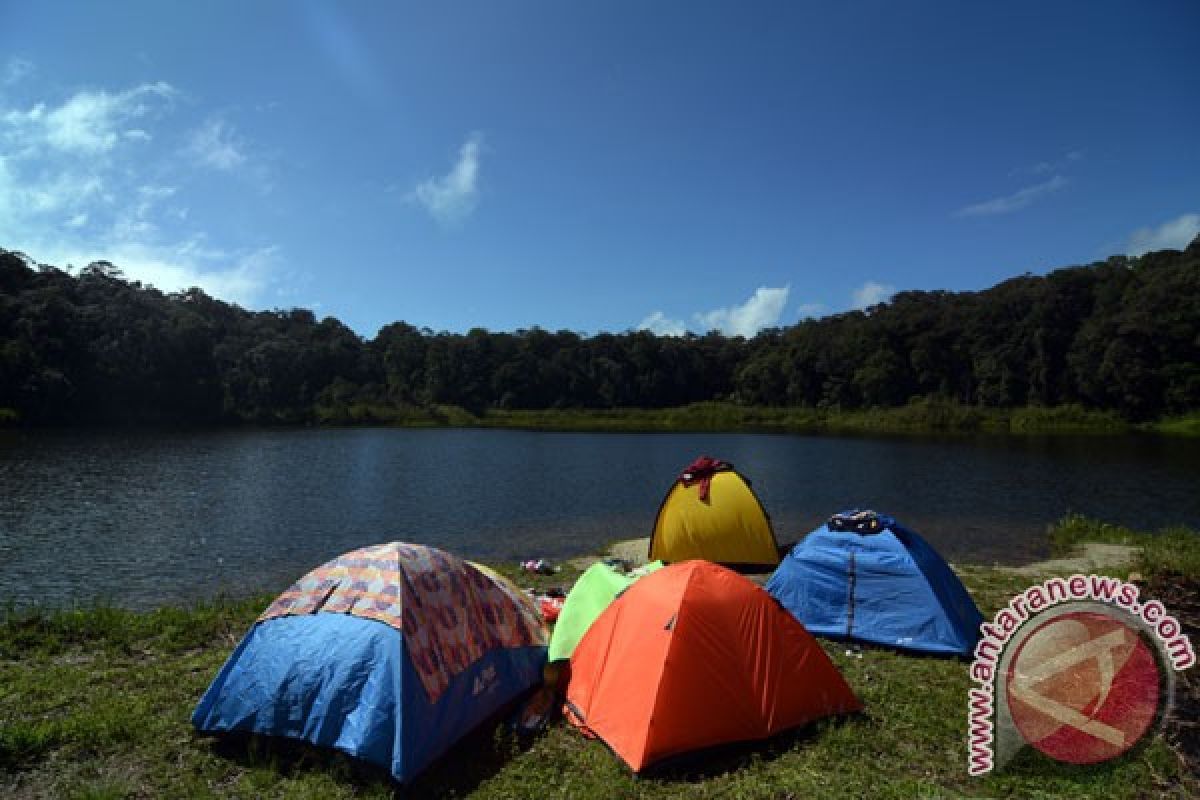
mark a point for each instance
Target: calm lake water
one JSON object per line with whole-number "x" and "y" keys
{"x": 141, "y": 519}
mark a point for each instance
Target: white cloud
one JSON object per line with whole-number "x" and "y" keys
{"x": 811, "y": 309}
{"x": 215, "y": 144}
{"x": 1175, "y": 234}
{"x": 452, "y": 197}
{"x": 242, "y": 278}
{"x": 80, "y": 183}
{"x": 662, "y": 325}
{"x": 25, "y": 197}
{"x": 1013, "y": 202}
{"x": 15, "y": 71}
{"x": 762, "y": 310}
{"x": 871, "y": 293}
{"x": 90, "y": 122}
{"x": 135, "y": 220}
{"x": 1058, "y": 165}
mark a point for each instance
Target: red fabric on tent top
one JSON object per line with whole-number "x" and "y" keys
{"x": 701, "y": 471}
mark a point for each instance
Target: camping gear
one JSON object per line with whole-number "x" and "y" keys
{"x": 535, "y": 714}
{"x": 540, "y": 566}
{"x": 712, "y": 513}
{"x": 692, "y": 656}
{"x": 390, "y": 653}
{"x": 701, "y": 471}
{"x": 550, "y": 607}
{"x": 864, "y": 577}
{"x": 590, "y": 595}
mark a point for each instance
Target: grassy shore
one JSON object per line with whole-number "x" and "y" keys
{"x": 919, "y": 417}
{"x": 95, "y": 704}
{"x": 922, "y": 416}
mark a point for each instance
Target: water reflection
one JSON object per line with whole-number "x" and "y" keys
{"x": 144, "y": 518}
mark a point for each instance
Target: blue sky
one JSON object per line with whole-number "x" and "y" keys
{"x": 594, "y": 166}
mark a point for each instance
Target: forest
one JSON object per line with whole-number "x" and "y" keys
{"x": 1120, "y": 335}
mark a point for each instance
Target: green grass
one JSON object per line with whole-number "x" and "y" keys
{"x": 925, "y": 415}
{"x": 1186, "y": 425}
{"x": 1172, "y": 550}
{"x": 95, "y": 703}
{"x": 1065, "y": 419}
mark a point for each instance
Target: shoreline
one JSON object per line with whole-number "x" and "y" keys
{"x": 96, "y": 703}
{"x": 1083, "y": 557}
{"x": 921, "y": 417}
{"x": 1086, "y": 557}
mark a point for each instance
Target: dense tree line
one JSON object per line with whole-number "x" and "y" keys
{"x": 1121, "y": 334}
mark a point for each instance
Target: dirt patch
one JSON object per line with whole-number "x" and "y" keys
{"x": 1090, "y": 557}
{"x": 632, "y": 550}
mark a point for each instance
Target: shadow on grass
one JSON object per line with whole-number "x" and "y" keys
{"x": 711, "y": 762}
{"x": 472, "y": 760}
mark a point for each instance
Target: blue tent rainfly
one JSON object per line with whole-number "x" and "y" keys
{"x": 864, "y": 577}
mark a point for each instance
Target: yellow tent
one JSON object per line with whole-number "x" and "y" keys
{"x": 728, "y": 526}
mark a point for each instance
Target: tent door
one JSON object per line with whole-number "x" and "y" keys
{"x": 851, "y": 578}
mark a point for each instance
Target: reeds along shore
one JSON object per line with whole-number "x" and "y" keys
{"x": 924, "y": 416}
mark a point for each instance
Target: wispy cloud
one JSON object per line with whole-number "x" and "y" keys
{"x": 15, "y": 70}
{"x": 215, "y": 144}
{"x": 1015, "y": 201}
{"x": 70, "y": 163}
{"x": 660, "y": 324}
{"x": 1175, "y": 234}
{"x": 452, "y": 197}
{"x": 811, "y": 309}
{"x": 89, "y": 123}
{"x": 1057, "y": 165}
{"x": 80, "y": 181}
{"x": 871, "y": 293}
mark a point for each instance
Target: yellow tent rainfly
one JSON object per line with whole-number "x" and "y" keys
{"x": 712, "y": 513}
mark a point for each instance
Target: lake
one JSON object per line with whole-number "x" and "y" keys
{"x": 141, "y": 518}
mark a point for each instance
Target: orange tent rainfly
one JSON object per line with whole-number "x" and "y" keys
{"x": 695, "y": 655}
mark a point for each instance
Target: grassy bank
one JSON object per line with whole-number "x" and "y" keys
{"x": 95, "y": 704}
{"x": 1173, "y": 551}
{"x": 919, "y": 417}
{"x": 1186, "y": 425}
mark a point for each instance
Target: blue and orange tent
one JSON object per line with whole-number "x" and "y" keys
{"x": 390, "y": 653}
{"x": 864, "y": 577}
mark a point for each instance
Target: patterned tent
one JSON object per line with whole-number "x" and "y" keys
{"x": 390, "y": 653}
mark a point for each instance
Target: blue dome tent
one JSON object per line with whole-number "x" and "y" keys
{"x": 390, "y": 653}
{"x": 864, "y": 577}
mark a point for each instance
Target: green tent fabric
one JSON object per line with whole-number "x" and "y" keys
{"x": 593, "y": 592}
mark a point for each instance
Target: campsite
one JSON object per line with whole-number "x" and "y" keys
{"x": 528, "y": 400}
{"x": 402, "y": 669}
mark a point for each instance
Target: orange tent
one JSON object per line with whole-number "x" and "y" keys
{"x": 695, "y": 655}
